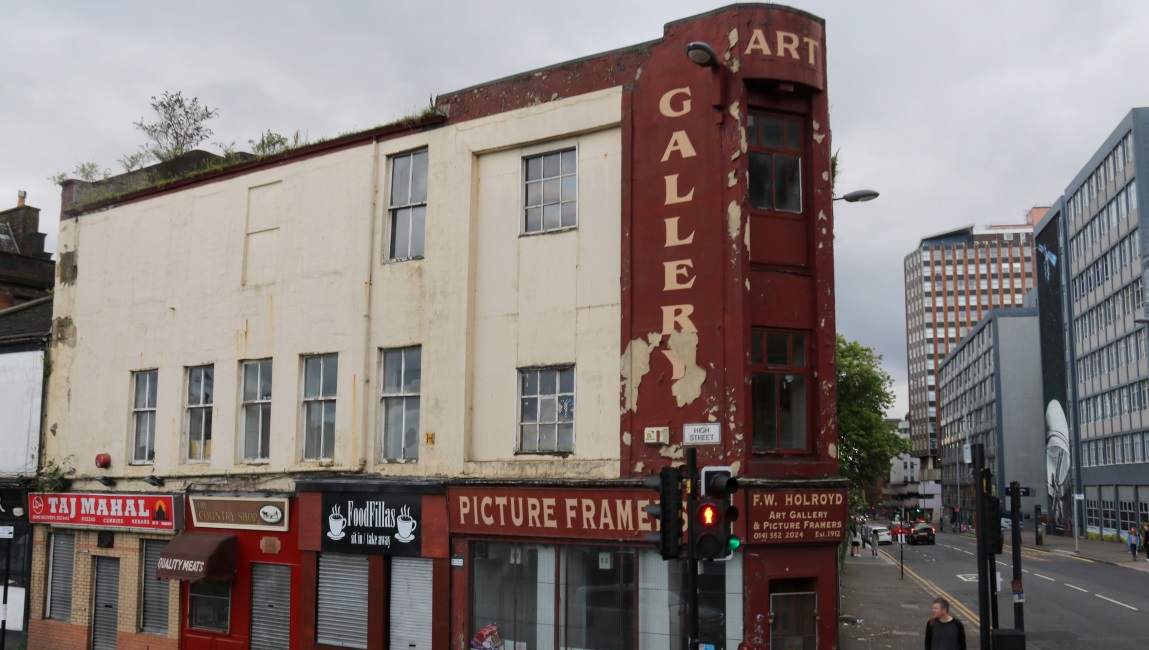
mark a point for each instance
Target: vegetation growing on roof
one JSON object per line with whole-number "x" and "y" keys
{"x": 180, "y": 126}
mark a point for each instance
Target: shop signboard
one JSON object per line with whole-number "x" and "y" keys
{"x": 544, "y": 512}
{"x": 372, "y": 523}
{"x": 795, "y": 516}
{"x": 246, "y": 513}
{"x": 152, "y": 512}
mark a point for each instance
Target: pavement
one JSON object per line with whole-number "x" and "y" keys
{"x": 881, "y": 609}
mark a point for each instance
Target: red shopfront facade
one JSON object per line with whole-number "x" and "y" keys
{"x": 569, "y": 566}
{"x": 375, "y": 564}
{"x": 88, "y": 548}
{"x": 239, "y": 567}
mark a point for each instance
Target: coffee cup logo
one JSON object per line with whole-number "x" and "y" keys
{"x": 406, "y": 525}
{"x": 335, "y": 524}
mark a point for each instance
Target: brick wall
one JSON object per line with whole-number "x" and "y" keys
{"x": 58, "y": 635}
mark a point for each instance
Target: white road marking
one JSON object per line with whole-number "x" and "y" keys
{"x": 1115, "y": 602}
{"x": 1077, "y": 588}
{"x": 1046, "y": 577}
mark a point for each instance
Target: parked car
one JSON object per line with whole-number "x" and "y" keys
{"x": 922, "y": 534}
{"x": 883, "y": 534}
{"x": 900, "y": 529}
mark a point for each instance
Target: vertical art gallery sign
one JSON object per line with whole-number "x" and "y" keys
{"x": 372, "y": 523}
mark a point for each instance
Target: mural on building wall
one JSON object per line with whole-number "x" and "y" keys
{"x": 1058, "y": 479}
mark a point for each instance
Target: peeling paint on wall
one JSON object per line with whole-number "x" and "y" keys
{"x": 832, "y": 449}
{"x": 734, "y": 219}
{"x": 633, "y": 366}
{"x": 682, "y": 351}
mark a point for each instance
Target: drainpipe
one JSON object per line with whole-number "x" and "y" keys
{"x": 367, "y": 394}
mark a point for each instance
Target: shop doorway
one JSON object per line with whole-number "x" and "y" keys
{"x": 106, "y": 601}
{"x": 270, "y": 606}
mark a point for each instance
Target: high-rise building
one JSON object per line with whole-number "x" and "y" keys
{"x": 952, "y": 280}
{"x": 1094, "y": 341}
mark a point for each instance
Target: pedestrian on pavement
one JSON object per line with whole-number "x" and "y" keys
{"x": 874, "y": 541}
{"x": 855, "y": 542}
{"x": 944, "y": 632}
{"x": 1145, "y": 539}
{"x": 1134, "y": 541}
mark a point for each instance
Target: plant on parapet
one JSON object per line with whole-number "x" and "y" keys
{"x": 52, "y": 476}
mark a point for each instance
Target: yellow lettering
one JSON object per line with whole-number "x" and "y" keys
{"x": 811, "y": 46}
{"x": 572, "y": 509}
{"x": 672, "y": 271}
{"x": 758, "y": 42}
{"x": 604, "y": 520}
{"x": 667, "y": 108}
{"x": 464, "y": 509}
{"x": 502, "y": 503}
{"x": 549, "y": 520}
{"x": 787, "y": 41}
{"x": 483, "y": 505}
{"x": 533, "y": 510}
{"x": 623, "y": 514}
{"x": 679, "y": 142}
{"x": 672, "y": 195}
{"x": 672, "y": 238}
{"x": 677, "y": 315}
{"x": 588, "y": 514}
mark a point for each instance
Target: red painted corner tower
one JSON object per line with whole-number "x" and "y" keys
{"x": 728, "y": 290}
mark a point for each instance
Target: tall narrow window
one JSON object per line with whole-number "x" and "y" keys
{"x": 779, "y": 381}
{"x": 775, "y": 143}
{"x": 408, "y": 205}
{"x": 550, "y": 191}
{"x": 201, "y": 393}
{"x": 320, "y": 375}
{"x": 144, "y": 416}
{"x": 255, "y": 418}
{"x": 402, "y": 372}
{"x": 546, "y": 409}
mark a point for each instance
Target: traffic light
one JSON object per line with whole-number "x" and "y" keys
{"x": 995, "y": 544}
{"x": 668, "y": 512}
{"x": 706, "y": 532}
{"x": 715, "y": 514}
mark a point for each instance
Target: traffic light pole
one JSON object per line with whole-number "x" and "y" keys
{"x": 983, "y": 575}
{"x": 690, "y": 580}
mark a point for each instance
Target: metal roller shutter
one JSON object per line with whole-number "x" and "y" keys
{"x": 154, "y": 618}
{"x": 270, "y": 606}
{"x": 60, "y": 580}
{"x": 106, "y": 616}
{"x": 411, "y": 603}
{"x": 342, "y": 619}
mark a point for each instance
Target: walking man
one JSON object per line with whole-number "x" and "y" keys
{"x": 944, "y": 632}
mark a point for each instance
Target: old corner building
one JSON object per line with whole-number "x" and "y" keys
{"x": 391, "y": 389}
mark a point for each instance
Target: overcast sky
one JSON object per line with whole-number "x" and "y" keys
{"x": 967, "y": 113}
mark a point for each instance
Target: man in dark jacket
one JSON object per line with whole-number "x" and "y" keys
{"x": 944, "y": 632}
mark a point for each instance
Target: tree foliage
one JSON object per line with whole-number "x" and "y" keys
{"x": 181, "y": 124}
{"x": 868, "y": 443}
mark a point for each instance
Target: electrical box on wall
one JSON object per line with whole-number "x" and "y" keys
{"x": 656, "y": 435}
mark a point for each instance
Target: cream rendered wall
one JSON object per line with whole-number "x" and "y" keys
{"x": 487, "y": 300}
{"x": 159, "y": 286}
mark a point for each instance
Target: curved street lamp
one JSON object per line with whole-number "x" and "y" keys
{"x": 858, "y": 196}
